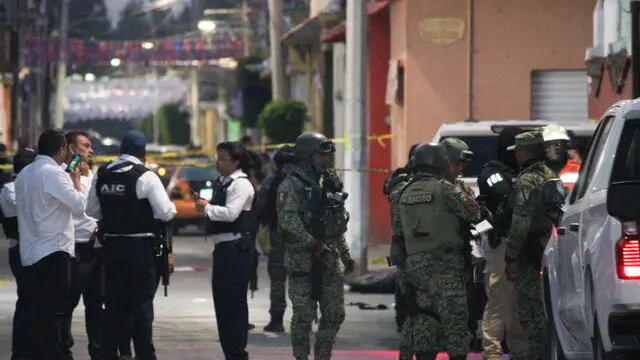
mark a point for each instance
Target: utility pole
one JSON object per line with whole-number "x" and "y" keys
{"x": 635, "y": 48}
{"x": 194, "y": 97}
{"x": 61, "y": 79}
{"x": 41, "y": 76}
{"x": 276, "y": 29}
{"x": 15, "y": 72}
{"x": 246, "y": 28}
{"x": 355, "y": 131}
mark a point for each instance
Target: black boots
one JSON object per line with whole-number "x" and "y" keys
{"x": 275, "y": 325}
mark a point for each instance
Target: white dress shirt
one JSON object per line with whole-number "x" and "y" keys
{"x": 8, "y": 204}
{"x": 85, "y": 225}
{"x": 239, "y": 198}
{"x": 46, "y": 200}
{"x": 148, "y": 187}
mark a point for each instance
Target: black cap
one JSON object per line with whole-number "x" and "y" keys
{"x": 22, "y": 158}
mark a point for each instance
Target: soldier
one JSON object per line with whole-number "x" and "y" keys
{"x": 498, "y": 320}
{"x": 285, "y": 162}
{"x": 459, "y": 157}
{"x": 527, "y": 236}
{"x": 393, "y": 185}
{"x": 313, "y": 219}
{"x": 433, "y": 214}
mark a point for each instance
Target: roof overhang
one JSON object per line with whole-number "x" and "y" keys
{"x": 305, "y": 33}
{"x": 338, "y": 33}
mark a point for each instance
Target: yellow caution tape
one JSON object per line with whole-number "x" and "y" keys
{"x": 377, "y": 261}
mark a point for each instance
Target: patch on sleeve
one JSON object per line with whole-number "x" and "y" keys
{"x": 421, "y": 198}
{"x": 468, "y": 202}
{"x": 282, "y": 200}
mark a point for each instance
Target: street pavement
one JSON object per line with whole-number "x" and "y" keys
{"x": 184, "y": 327}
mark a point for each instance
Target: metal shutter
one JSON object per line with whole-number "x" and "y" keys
{"x": 559, "y": 96}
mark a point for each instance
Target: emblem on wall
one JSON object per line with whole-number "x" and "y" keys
{"x": 442, "y": 31}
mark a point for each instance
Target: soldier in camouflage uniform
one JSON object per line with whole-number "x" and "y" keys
{"x": 285, "y": 162}
{"x": 527, "y": 237}
{"x": 313, "y": 220}
{"x": 434, "y": 218}
{"x": 393, "y": 186}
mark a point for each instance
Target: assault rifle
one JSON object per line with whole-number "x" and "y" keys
{"x": 165, "y": 252}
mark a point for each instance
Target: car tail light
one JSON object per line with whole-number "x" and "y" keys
{"x": 628, "y": 252}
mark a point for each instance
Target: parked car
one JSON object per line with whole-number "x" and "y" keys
{"x": 482, "y": 138}
{"x": 187, "y": 180}
{"x": 591, "y": 265}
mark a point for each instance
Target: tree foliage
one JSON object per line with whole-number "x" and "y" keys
{"x": 174, "y": 125}
{"x": 256, "y": 92}
{"x": 283, "y": 121}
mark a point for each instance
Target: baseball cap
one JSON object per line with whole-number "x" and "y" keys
{"x": 133, "y": 141}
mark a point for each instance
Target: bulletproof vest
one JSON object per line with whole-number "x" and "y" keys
{"x": 495, "y": 183}
{"x": 325, "y": 216}
{"x": 246, "y": 223}
{"x": 400, "y": 174}
{"x": 9, "y": 224}
{"x": 122, "y": 212}
{"x": 426, "y": 224}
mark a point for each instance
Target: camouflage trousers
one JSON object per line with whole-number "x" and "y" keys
{"x": 441, "y": 321}
{"x": 332, "y": 312}
{"x": 530, "y": 313}
{"x": 405, "y": 349}
{"x": 277, "y": 275}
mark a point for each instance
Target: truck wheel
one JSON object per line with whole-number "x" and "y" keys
{"x": 596, "y": 343}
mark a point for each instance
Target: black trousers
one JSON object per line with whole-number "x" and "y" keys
{"x": 87, "y": 280}
{"x": 47, "y": 284}
{"x": 230, "y": 282}
{"x": 20, "y": 346}
{"x": 130, "y": 286}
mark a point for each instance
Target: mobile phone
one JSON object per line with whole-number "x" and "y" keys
{"x": 75, "y": 160}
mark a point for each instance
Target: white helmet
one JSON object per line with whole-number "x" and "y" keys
{"x": 554, "y": 132}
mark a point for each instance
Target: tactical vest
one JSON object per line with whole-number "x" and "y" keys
{"x": 9, "y": 224}
{"x": 426, "y": 224}
{"x": 324, "y": 214}
{"x": 122, "y": 212}
{"x": 246, "y": 223}
{"x": 269, "y": 212}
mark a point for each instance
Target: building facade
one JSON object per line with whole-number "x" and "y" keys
{"x": 486, "y": 60}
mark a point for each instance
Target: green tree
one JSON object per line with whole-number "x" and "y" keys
{"x": 133, "y": 23}
{"x": 256, "y": 91}
{"x": 174, "y": 125}
{"x": 88, "y": 19}
{"x": 283, "y": 121}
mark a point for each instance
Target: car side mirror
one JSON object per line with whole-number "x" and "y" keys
{"x": 620, "y": 200}
{"x": 553, "y": 198}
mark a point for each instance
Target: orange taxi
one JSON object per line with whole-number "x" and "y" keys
{"x": 185, "y": 181}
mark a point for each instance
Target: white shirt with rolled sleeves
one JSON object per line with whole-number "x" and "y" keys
{"x": 239, "y": 198}
{"x": 8, "y": 204}
{"x": 148, "y": 187}
{"x": 46, "y": 201}
{"x": 85, "y": 225}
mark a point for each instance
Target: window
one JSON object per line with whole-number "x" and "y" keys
{"x": 627, "y": 161}
{"x": 593, "y": 154}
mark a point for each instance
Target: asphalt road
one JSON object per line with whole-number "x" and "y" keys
{"x": 185, "y": 324}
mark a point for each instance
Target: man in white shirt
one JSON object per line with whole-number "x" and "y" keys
{"x": 130, "y": 201}
{"x": 46, "y": 198}
{"x": 86, "y": 266}
{"x": 20, "y": 346}
{"x": 234, "y": 226}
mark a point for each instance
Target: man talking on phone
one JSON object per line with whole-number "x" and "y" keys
{"x": 46, "y": 199}
{"x": 86, "y": 266}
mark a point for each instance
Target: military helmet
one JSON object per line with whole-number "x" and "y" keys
{"x": 310, "y": 143}
{"x": 457, "y": 150}
{"x": 285, "y": 155}
{"x": 429, "y": 154}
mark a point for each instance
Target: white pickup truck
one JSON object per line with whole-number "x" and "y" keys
{"x": 591, "y": 265}
{"x": 482, "y": 138}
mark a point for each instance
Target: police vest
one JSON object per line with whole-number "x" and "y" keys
{"x": 426, "y": 225}
{"x": 9, "y": 224}
{"x": 122, "y": 212}
{"x": 246, "y": 223}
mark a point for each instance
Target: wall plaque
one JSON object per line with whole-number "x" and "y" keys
{"x": 442, "y": 31}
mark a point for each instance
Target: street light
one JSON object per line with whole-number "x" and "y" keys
{"x": 207, "y": 26}
{"x": 115, "y": 62}
{"x": 147, "y": 45}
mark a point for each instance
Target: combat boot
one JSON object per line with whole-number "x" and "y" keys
{"x": 276, "y": 324}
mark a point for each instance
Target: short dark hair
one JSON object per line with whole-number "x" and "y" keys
{"x": 72, "y": 136}
{"x": 50, "y": 142}
{"x": 246, "y": 140}
{"x": 237, "y": 152}
{"x": 22, "y": 158}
